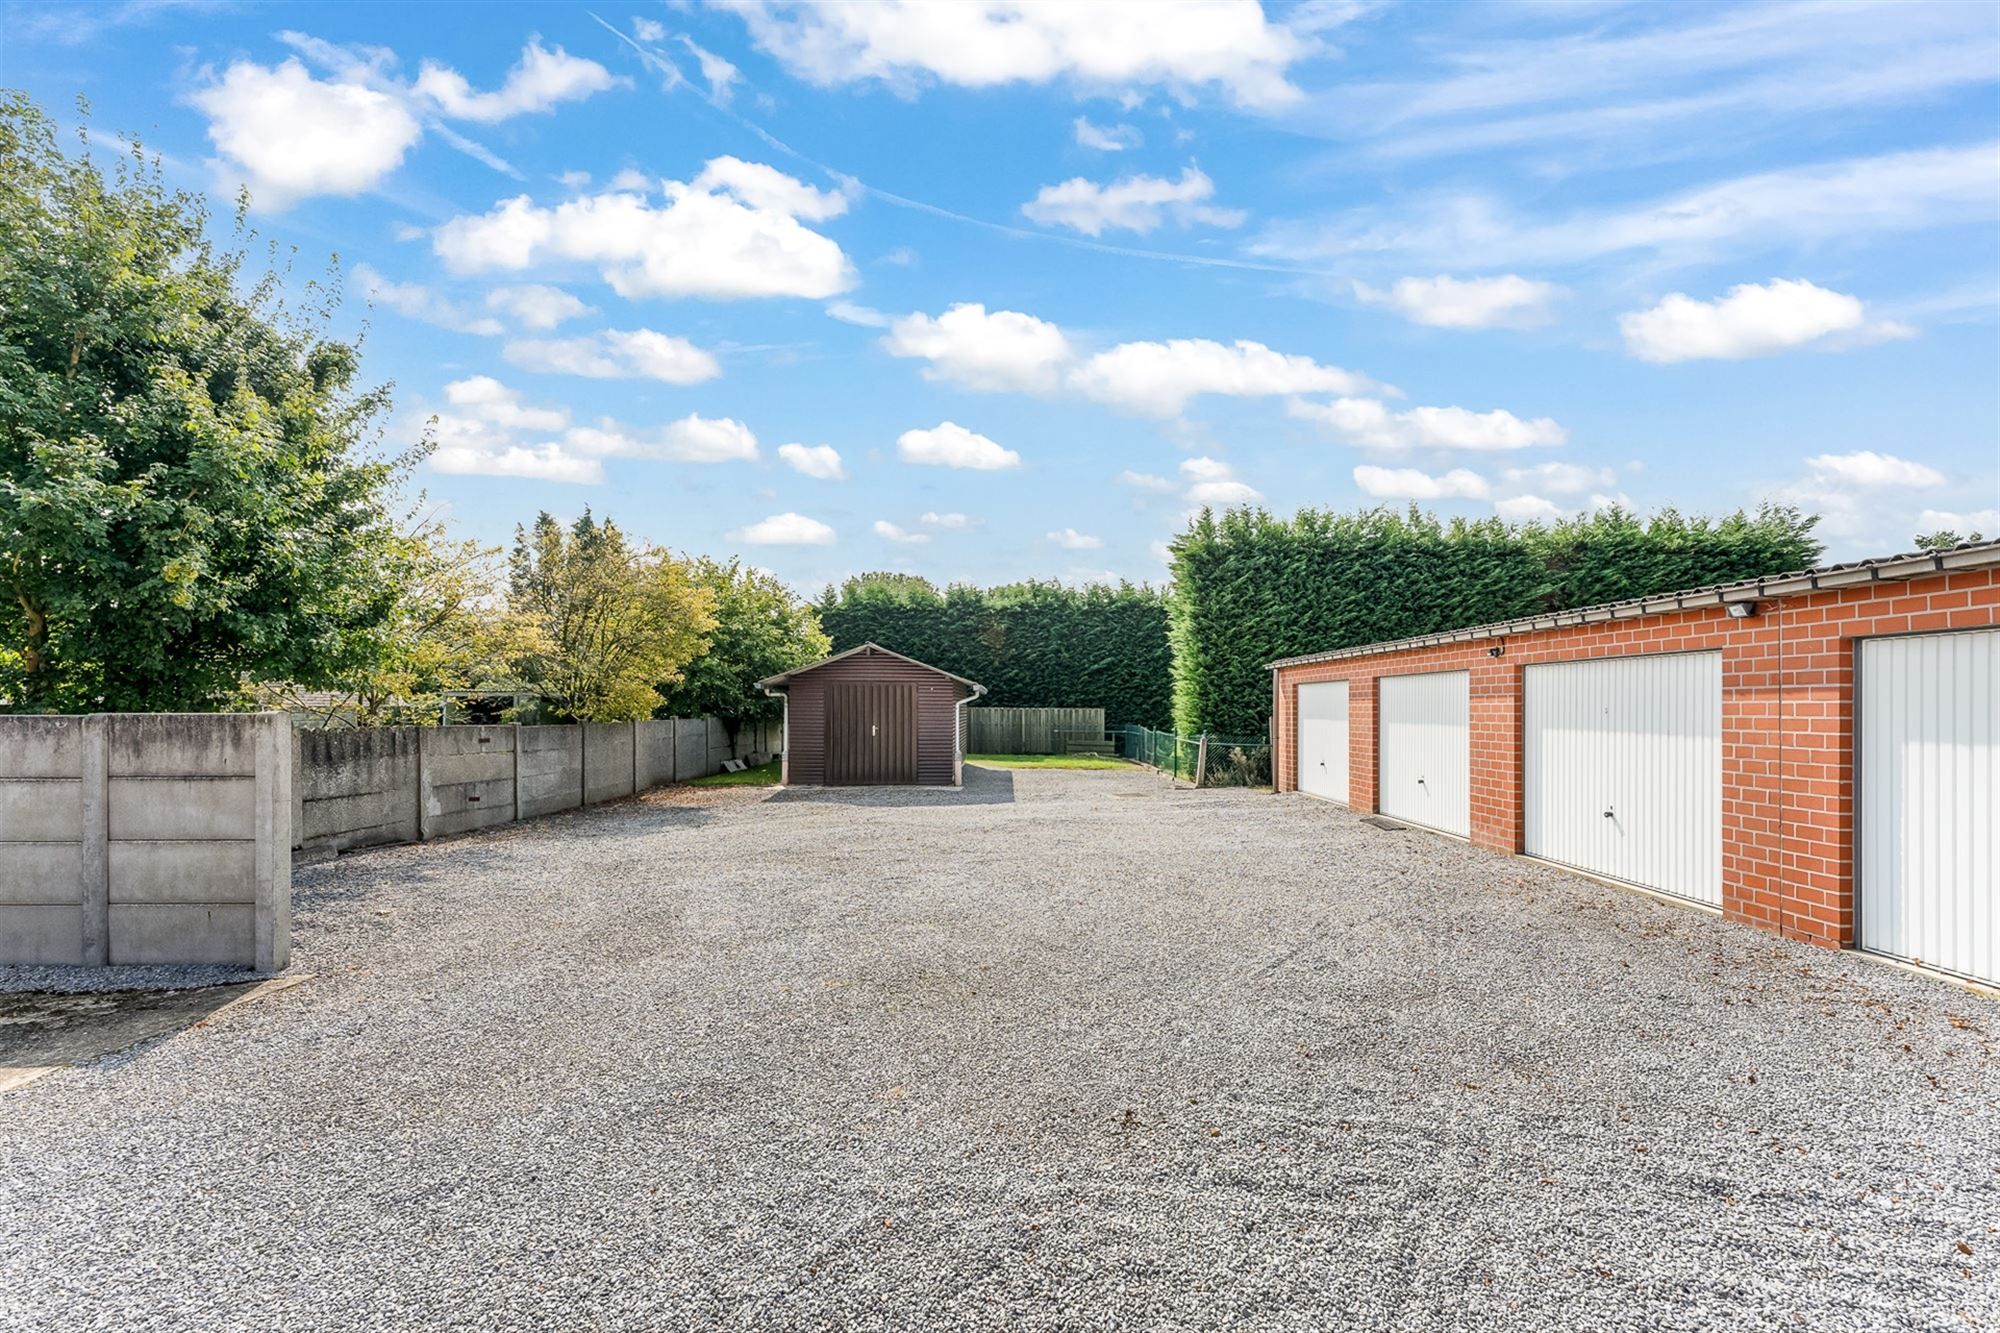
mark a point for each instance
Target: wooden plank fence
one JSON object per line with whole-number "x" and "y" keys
{"x": 1026, "y": 730}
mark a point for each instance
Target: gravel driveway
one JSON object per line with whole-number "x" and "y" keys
{"x": 1065, "y": 1050}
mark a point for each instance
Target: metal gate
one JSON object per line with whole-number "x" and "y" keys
{"x": 1622, "y": 769}
{"x": 1927, "y": 859}
{"x": 1426, "y": 750}
{"x": 1323, "y": 740}
{"x": 871, "y": 734}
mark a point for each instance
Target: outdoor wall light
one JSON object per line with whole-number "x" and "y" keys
{"x": 1742, "y": 610}
{"x": 1496, "y": 650}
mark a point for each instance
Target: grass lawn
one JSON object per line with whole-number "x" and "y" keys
{"x": 1044, "y": 761}
{"x": 764, "y": 775}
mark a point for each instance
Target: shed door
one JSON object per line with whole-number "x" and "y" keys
{"x": 1927, "y": 863}
{"x": 1426, "y": 750}
{"x": 1323, "y": 740}
{"x": 871, "y": 734}
{"x": 1622, "y": 769}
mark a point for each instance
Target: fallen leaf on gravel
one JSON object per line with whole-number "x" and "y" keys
{"x": 895, "y": 1094}
{"x": 1963, "y": 1248}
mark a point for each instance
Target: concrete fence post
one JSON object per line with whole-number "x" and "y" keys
{"x": 635, "y": 756}
{"x": 423, "y": 834}
{"x": 517, "y": 772}
{"x": 272, "y": 857}
{"x": 94, "y": 859}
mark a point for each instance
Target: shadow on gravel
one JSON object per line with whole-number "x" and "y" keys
{"x": 983, "y": 786}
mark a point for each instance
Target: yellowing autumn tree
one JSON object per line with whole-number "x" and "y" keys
{"x": 612, "y": 621}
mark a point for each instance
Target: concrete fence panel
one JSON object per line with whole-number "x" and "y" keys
{"x": 146, "y": 838}
{"x": 719, "y": 748}
{"x": 551, "y": 770}
{"x": 467, "y": 778}
{"x": 608, "y": 756}
{"x": 354, "y": 788}
{"x": 690, "y": 749}
{"x": 41, "y": 837}
{"x": 653, "y": 759}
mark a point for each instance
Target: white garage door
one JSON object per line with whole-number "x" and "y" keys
{"x": 1323, "y": 740}
{"x": 1622, "y": 770}
{"x": 1426, "y": 750}
{"x": 1928, "y": 853}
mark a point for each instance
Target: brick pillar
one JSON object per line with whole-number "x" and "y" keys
{"x": 1496, "y": 750}
{"x": 1363, "y": 706}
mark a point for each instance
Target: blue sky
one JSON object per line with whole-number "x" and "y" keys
{"x": 987, "y": 291}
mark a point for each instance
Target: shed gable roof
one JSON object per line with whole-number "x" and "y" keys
{"x": 784, "y": 678}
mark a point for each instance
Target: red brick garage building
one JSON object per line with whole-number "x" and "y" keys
{"x": 1816, "y": 754}
{"x": 870, "y": 717}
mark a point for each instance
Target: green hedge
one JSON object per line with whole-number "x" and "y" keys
{"x": 1249, "y": 588}
{"x": 1033, "y": 645}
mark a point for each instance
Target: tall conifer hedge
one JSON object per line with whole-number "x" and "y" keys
{"x": 1033, "y": 645}
{"x": 1249, "y": 588}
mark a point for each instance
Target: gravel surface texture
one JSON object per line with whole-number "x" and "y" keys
{"x": 1065, "y": 1050}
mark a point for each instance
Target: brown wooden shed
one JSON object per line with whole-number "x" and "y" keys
{"x": 870, "y": 717}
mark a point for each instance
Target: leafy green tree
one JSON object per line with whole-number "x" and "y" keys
{"x": 1944, "y": 539}
{"x": 450, "y": 629}
{"x": 612, "y": 623}
{"x": 760, "y": 630}
{"x": 1250, "y": 588}
{"x": 187, "y": 494}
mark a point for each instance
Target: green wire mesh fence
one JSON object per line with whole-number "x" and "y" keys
{"x": 1207, "y": 760}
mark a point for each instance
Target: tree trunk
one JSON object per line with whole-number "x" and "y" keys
{"x": 34, "y": 653}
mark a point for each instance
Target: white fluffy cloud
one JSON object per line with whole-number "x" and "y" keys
{"x": 945, "y": 522}
{"x": 1145, "y": 481}
{"x": 536, "y": 306}
{"x": 288, "y": 135}
{"x": 733, "y": 232}
{"x": 787, "y": 529}
{"x": 1865, "y": 498}
{"x": 1874, "y": 471}
{"x": 815, "y": 460}
{"x": 1560, "y": 478}
{"x": 1001, "y": 351}
{"x": 481, "y": 435}
{"x": 890, "y": 532}
{"x": 489, "y": 430}
{"x": 1212, "y": 483}
{"x": 1130, "y": 203}
{"x": 1072, "y": 540}
{"x": 1113, "y": 44}
{"x": 1986, "y": 522}
{"x": 692, "y": 439}
{"x": 416, "y": 301}
{"x": 1466, "y": 303}
{"x": 491, "y": 401}
{"x": 1158, "y": 378}
{"x": 848, "y": 312}
{"x": 617, "y": 354}
{"x": 539, "y": 82}
{"x": 1006, "y": 350}
{"x": 1527, "y": 509}
{"x": 949, "y": 444}
{"x": 1752, "y": 320}
{"x": 1408, "y": 483}
{"x": 1106, "y": 138}
{"x": 1366, "y": 421}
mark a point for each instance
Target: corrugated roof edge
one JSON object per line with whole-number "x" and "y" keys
{"x": 1882, "y": 569}
{"x": 783, "y": 676}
